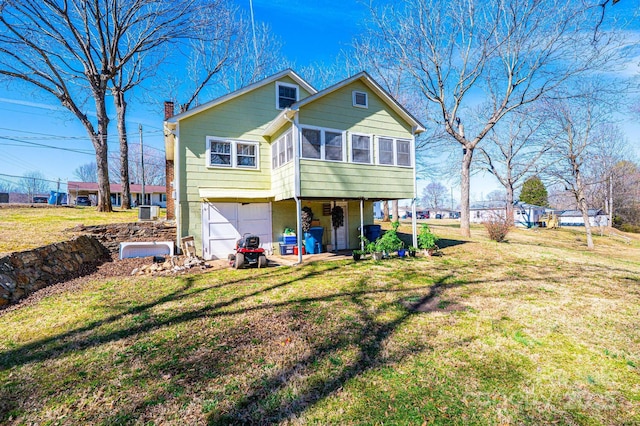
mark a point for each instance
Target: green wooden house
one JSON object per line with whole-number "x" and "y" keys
{"x": 250, "y": 161}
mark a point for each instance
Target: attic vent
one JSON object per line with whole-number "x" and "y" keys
{"x": 360, "y": 99}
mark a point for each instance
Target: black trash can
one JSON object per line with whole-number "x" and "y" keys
{"x": 372, "y": 232}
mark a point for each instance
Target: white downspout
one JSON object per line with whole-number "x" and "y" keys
{"x": 414, "y": 223}
{"x": 296, "y": 143}
{"x": 176, "y": 180}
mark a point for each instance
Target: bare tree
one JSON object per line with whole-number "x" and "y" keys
{"x": 87, "y": 172}
{"x": 513, "y": 51}
{"x": 34, "y": 183}
{"x": 434, "y": 195}
{"x": 580, "y": 127}
{"x": 514, "y": 151}
{"x": 72, "y": 49}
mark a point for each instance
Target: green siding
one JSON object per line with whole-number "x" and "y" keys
{"x": 242, "y": 118}
{"x": 352, "y": 180}
{"x": 283, "y": 182}
{"x": 348, "y": 180}
{"x": 336, "y": 111}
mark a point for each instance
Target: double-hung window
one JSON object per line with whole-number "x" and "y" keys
{"x": 286, "y": 95}
{"x": 322, "y": 144}
{"x": 361, "y": 149}
{"x": 394, "y": 152}
{"x": 230, "y": 153}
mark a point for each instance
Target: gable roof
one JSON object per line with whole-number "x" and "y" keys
{"x": 365, "y": 78}
{"x": 286, "y": 73}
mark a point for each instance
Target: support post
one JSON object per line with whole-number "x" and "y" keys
{"x": 362, "y": 224}
{"x": 299, "y": 228}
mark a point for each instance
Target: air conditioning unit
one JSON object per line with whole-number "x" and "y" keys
{"x": 148, "y": 212}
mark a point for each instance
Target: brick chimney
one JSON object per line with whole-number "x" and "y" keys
{"x": 169, "y": 174}
{"x": 168, "y": 109}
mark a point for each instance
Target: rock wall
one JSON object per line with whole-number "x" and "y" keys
{"x": 113, "y": 234}
{"x": 23, "y": 273}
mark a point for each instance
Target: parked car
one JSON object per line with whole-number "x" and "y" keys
{"x": 438, "y": 216}
{"x": 83, "y": 200}
{"x": 40, "y": 200}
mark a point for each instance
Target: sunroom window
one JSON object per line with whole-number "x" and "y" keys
{"x": 282, "y": 150}
{"x": 394, "y": 152}
{"x": 361, "y": 149}
{"x": 322, "y": 144}
{"x": 386, "y": 150}
{"x": 311, "y": 143}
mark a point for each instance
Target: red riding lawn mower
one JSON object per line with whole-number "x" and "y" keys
{"x": 248, "y": 253}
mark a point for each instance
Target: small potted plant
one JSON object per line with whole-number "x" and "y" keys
{"x": 389, "y": 242}
{"x": 357, "y": 254}
{"x": 427, "y": 240}
{"x": 412, "y": 251}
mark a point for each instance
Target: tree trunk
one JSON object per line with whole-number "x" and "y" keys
{"x": 100, "y": 144}
{"x": 465, "y": 225}
{"x": 584, "y": 208}
{"x": 385, "y": 211}
{"x": 394, "y": 210}
{"x": 509, "y": 201}
{"x": 121, "y": 109}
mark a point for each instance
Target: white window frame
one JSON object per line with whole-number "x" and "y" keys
{"x": 281, "y": 143}
{"x": 366, "y": 99}
{"x": 234, "y": 153}
{"x": 371, "y": 152}
{"x": 293, "y": 86}
{"x": 395, "y": 151}
{"x": 323, "y": 145}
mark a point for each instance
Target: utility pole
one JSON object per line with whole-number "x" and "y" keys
{"x": 142, "y": 161}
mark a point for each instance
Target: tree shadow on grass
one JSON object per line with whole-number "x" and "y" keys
{"x": 374, "y": 327}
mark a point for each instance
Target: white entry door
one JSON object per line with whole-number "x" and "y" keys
{"x": 224, "y": 223}
{"x": 342, "y": 242}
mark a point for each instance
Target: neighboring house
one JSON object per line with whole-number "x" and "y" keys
{"x": 597, "y": 217}
{"x": 527, "y": 215}
{"x": 154, "y": 195}
{"x": 249, "y": 161}
{"x": 486, "y": 211}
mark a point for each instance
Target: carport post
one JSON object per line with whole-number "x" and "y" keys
{"x": 362, "y": 224}
{"x": 414, "y": 224}
{"x": 299, "y": 227}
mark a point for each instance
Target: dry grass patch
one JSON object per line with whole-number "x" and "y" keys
{"x": 542, "y": 332}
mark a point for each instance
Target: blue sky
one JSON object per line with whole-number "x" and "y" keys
{"x": 311, "y": 32}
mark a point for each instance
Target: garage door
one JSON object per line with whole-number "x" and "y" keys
{"x": 224, "y": 223}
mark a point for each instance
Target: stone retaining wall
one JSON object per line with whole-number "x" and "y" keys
{"x": 23, "y": 273}
{"x": 113, "y": 234}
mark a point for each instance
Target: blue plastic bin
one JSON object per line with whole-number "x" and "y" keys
{"x": 372, "y": 232}
{"x": 313, "y": 240}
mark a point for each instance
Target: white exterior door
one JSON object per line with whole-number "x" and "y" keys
{"x": 342, "y": 234}
{"x": 224, "y": 223}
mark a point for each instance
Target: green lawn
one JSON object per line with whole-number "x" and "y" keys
{"x": 27, "y": 228}
{"x": 537, "y": 330}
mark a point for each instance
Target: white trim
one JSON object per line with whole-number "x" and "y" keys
{"x": 371, "y": 152}
{"x": 323, "y": 141}
{"x": 234, "y": 153}
{"x": 292, "y": 86}
{"x": 286, "y": 73}
{"x": 354, "y": 95}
